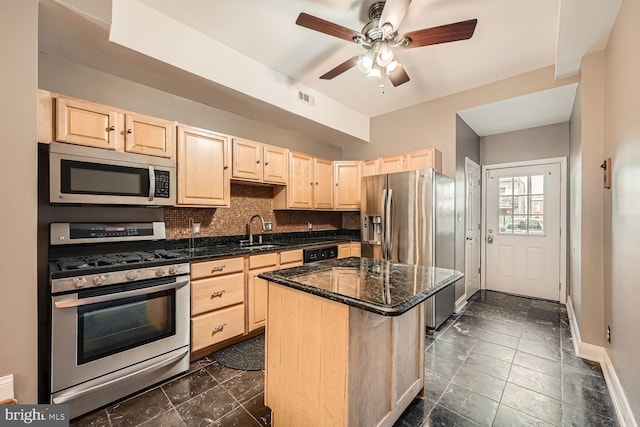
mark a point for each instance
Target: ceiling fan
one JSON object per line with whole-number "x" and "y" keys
{"x": 380, "y": 35}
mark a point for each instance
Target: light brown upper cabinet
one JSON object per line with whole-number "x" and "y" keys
{"x": 95, "y": 125}
{"x": 322, "y": 184}
{"x": 149, "y": 135}
{"x": 391, "y": 164}
{"x": 86, "y": 123}
{"x": 370, "y": 167}
{"x": 204, "y": 177}
{"x": 347, "y": 185}
{"x": 310, "y": 184}
{"x": 276, "y": 166}
{"x": 253, "y": 161}
{"x": 422, "y": 159}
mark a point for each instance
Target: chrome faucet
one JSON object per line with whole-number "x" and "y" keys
{"x": 264, "y": 228}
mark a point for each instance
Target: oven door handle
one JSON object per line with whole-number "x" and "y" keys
{"x": 73, "y": 394}
{"x": 119, "y": 295}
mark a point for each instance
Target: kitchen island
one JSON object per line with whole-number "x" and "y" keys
{"x": 345, "y": 340}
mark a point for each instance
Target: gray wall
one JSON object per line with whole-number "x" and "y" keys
{"x": 18, "y": 174}
{"x": 467, "y": 145}
{"x": 621, "y": 142}
{"x": 75, "y": 80}
{"x": 528, "y": 144}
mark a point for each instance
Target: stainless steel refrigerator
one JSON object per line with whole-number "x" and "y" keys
{"x": 409, "y": 217}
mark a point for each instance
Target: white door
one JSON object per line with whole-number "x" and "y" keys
{"x": 472, "y": 228}
{"x": 522, "y": 243}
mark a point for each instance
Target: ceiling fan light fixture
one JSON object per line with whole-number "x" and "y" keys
{"x": 375, "y": 72}
{"x": 392, "y": 66}
{"x": 384, "y": 56}
{"x": 365, "y": 62}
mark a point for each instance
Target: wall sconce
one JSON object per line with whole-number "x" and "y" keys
{"x": 606, "y": 165}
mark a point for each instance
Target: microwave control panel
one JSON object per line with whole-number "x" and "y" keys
{"x": 162, "y": 184}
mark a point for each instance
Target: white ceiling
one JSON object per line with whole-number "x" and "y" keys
{"x": 253, "y": 51}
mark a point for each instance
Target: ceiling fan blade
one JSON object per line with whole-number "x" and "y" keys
{"x": 346, "y": 65}
{"x": 394, "y": 12}
{"x": 443, "y": 34}
{"x": 326, "y": 27}
{"x": 399, "y": 76}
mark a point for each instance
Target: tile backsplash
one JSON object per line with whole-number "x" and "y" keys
{"x": 246, "y": 201}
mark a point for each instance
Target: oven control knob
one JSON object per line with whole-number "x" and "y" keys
{"x": 160, "y": 272}
{"x": 99, "y": 280}
{"x": 79, "y": 282}
{"x": 173, "y": 269}
{"x": 132, "y": 275}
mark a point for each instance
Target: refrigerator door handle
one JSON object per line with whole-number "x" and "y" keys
{"x": 384, "y": 223}
{"x": 389, "y": 227}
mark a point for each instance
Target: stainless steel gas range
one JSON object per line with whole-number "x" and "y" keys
{"x": 119, "y": 312}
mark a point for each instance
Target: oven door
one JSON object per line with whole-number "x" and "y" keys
{"x": 98, "y": 331}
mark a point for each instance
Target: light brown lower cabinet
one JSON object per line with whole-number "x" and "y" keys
{"x": 332, "y": 362}
{"x": 217, "y": 301}
{"x": 348, "y": 249}
{"x": 257, "y": 287}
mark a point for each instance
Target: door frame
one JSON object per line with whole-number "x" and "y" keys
{"x": 468, "y": 161}
{"x": 562, "y": 161}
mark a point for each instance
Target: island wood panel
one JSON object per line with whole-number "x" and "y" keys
{"x": 300, "y": 371}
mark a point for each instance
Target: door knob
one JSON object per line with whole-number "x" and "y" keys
{"x": 489, "y": 239}
{"x": 469, "y": 238}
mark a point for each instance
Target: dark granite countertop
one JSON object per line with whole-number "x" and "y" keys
{"x": 230, "y": 247}
{"x": 382, "y": 287}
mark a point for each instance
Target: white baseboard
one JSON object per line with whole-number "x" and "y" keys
{"x": 460, "y": 304}
{"x": 600, "y": 355}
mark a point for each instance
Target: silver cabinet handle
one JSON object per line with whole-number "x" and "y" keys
{"x": 218, "y": 268}
{"x": 112, "y": 128}
{"x": 218, "y": 328}
{"x": 129, "y": 130}
{"x": 217, "y": 294}
{"x": 119, "y": 295}
{"x": 258, "y": 162}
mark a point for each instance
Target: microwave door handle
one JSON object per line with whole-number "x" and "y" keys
{"x": 152, "y": 183}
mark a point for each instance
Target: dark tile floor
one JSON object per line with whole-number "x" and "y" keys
{"x": 504, "y": 361}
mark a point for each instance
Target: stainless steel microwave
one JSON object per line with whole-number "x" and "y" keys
{"x": 86, "y": 175}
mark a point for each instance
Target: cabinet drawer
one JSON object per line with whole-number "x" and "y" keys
{"x": 288, "y": 257}
{"x": 216, "y": 267}
{"x": 264, "y": 260}
{"x": 216, "y": 292}
{"x": 211, "y": 328}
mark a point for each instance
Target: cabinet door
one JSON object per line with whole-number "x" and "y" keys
{"x": 299, "y": 188}
{"x": 85, "y": 123}
{"x": 355, "y": 249}
{"x": 422, "y": 159}
{"x": 275, "y": 164}
{"x": 149, "y": 135}
{"x": 258, "y": 298}
{"x": 370, "y": 167}
{"x": 247, "y": 160}
{"x": 203, "y": 168}
{"x": 391, "y": 164}
{"x": 347, "y": 189}
{"x": 323, "y": 184}
{"x": 344, "y": 250}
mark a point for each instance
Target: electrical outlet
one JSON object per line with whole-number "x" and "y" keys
{"x": 608, "y": 333}
{"x": 268, "y": 226}
{"x": 310, "y": 226}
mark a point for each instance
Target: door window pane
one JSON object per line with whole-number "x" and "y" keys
{"x": 521, "y": 205}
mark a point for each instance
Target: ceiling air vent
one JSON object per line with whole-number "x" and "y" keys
{"x": 305, "y": 98}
